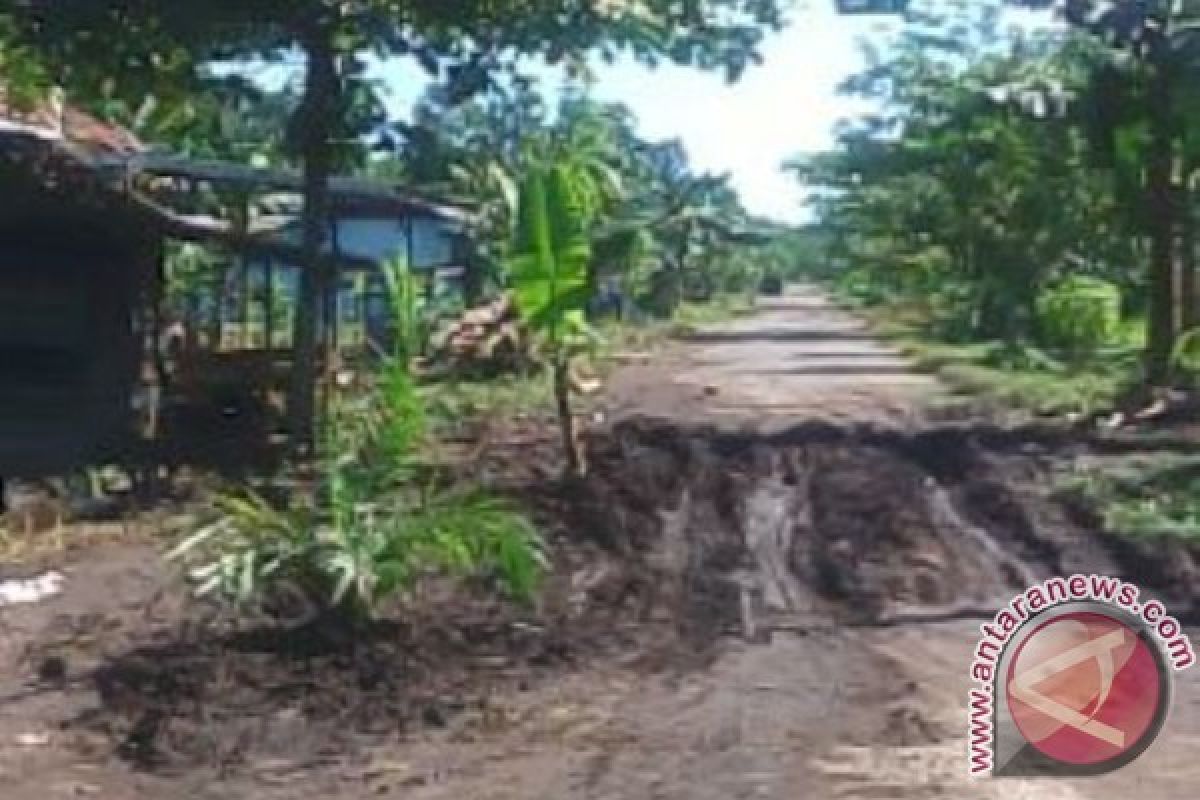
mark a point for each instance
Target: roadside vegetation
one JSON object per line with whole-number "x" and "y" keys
{"x": 1145, "y": 496}
{"x": 1018, "y": 210}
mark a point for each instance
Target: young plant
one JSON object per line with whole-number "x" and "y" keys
{"x": 374, "y": 529}
{"x": 1186, "y": 356}
{"x": 410, "y": 327}
{"x": 360, "y": 549}
{"x": 549, "y": 274}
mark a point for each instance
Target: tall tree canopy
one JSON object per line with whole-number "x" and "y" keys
{"x": 970, "y": 183}
{"x": 1144, "y": 105}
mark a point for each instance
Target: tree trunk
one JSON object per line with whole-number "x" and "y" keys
{"x": 1189, "y": 265}
{"x": 566, "y": 420}
{"x": 679, "y": 285}
{"x": 316, "y": 112}
{"x": 473, "y": 281}
{"x": 1161, "y": 326}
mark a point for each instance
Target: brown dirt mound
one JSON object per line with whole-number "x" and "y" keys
{"x": 676, "y": 541}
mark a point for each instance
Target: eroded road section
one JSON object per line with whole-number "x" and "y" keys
{"x": 783, "y": 540}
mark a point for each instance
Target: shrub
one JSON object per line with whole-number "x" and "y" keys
{"x": 860, "y": 287}
{"x": 772, "y": 283}
{"x": 1079, "y": 315}
{"x": 954, "y": 315}
{"x": 371, "y": 531}
{"x": 355, "y": 553}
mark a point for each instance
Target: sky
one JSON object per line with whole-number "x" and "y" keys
{"x": 785, "y": 106}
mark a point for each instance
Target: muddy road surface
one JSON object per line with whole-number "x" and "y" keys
{"x": 770, "y": 586}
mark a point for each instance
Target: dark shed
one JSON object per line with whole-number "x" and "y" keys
{"x": 78, "y": 258}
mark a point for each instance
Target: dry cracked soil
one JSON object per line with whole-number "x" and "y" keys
{"x": 770, "y": 586}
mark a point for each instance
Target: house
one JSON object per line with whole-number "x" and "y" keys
{"x": 89, "y": 217}
{"x": 372, "y": 224}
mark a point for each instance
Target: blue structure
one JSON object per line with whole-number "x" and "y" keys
{"x": 371, "y": 224}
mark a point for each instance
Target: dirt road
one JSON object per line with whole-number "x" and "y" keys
{"x": 754, "y": 567}
{"x": 798, "y": 357}
{"x": 812, "y": 708}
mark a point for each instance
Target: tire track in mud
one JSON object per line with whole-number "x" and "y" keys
{"x": 821, "y": 535}
{"x": 856, "y": 551}
{"x": 825, "y": 525}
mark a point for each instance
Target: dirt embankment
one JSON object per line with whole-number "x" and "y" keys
{"x": 681, "y": 545}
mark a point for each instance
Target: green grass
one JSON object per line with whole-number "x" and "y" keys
{"x": 506, "y": 396}
{"x": 722, "y": 308}
{"x": 1042, "y": 392}
{"x": 1144, "y": 496}
{"x": 622, "y": 337}
{"x": 1015, "y": 377}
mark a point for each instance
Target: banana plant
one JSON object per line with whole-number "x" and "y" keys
{"x": 549, "y": 274}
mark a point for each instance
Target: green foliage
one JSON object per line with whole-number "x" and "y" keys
{"x": 721, "y": 308}
{"x": 357, "y": 555}
{"x": 372, "y": 534}
{"x": 25, "y": 80}
{"x": 549, "y": 266}
{"x": 1040, "y": 391}
{"x": 134, "y": 49}
{"x": 969, "y": 186}
{"x": 1011, "y": 375}
{"x": 859, "y": 287}
{"x": 549, "y": 272}
{"x": 652, "y": 220}
{"x": 1157, "y": 496}
{"x": 250, "y": 546}
{"x": 974, "y": 183}
{"x": 1187, "y": 352}
{"x": 411, "y": 327}
{"x": 1080, "y": 315}
{"x": 375, "y": 525}
{"x": 131, "y": 50}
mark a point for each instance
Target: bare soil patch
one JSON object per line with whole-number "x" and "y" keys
{"x": 682, "y": 547}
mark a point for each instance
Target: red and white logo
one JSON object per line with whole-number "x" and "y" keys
{"x": 1086, "y": 689}
{"x": 1072, "y": 678}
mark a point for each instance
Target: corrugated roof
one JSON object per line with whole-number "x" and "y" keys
{"x": 347, "y": 193}
{"x": 64, "y": 147}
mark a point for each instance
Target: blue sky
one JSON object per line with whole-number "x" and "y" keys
{"x": 785, "y": 106}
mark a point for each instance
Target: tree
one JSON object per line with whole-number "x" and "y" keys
{"x": 147, "y": 46}
{"x": 654, "y": 210}
{"x": 971, "y": 187}
{"x": 1156, "y": 43}
{"x": 550, "y": 274}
